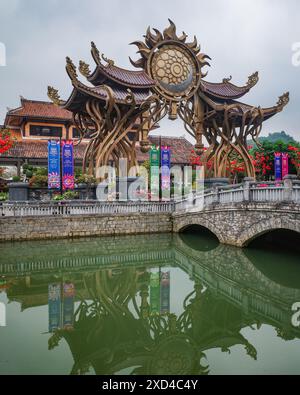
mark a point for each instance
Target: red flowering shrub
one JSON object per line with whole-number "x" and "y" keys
{"x": 6, "y": 141}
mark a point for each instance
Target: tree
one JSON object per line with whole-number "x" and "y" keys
{"x": 6, "y": 141}
{"x": 264, "y": 157}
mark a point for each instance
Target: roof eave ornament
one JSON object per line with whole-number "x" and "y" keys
{"x": 226, "y": 80}
{"x": 283, "y": 101}
{"x": 253, "y": 80}
{"x": 54, "y": 96}
{"x": 84, "y": 69}
{"x": 95, "y": 53}
{"x": 108, "y": 61}
{"x": 71, "y": 70}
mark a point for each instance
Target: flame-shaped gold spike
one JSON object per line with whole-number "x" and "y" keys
{"x": 140, "y": 63}
{"x": 197, "y": 50}
{"x": 193, "y": 44}
{"x": 159, "y": 36}
{"x": 183, "y": 37}
{"x": 140, "y": 44}
{"x": 150, "y": 38}
{"x": 202, "y": 59}
{"x": 144, "y": 52}
{"x": 170, "y": 32}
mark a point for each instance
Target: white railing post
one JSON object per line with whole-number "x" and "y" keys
{"x": 288, "y": 187}
{"x": 247, "y": 188}
{"x": 216, "y": 195}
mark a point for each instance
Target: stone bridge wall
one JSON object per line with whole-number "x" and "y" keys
{"x": 238, "y": 224}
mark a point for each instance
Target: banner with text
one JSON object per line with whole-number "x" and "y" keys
{"x": 165, "y": 292}
{"x": 277, "y": 167}
{"x": 54, "y": 164}
{"x": 285, "y": 165}
{"x": 68, "y": 305}
{"x": 154, "y": 172}
{"x": 155, "y": 293}
{"x": 166, "y": 172}
{"x": 68, "y": 180}
{"x": 54, "y": 307}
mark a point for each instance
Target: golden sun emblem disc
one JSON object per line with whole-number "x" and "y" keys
{"x": 174, "y": 69}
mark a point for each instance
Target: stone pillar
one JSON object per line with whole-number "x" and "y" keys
{"x": 18, "y": 192}
{"x": 216, "y": 196}
{"x": 288, "y": 187}
{"x": 246, "y": 187}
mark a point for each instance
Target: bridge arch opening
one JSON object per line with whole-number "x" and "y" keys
{"x": 199, "y": 238}
{"x": 276, "y": 239}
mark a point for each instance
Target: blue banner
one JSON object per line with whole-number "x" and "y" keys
{"x": 54, "y": 306}
{"x": 278, "y": 167}
{"x": 53, "y": 164}
{"x": 166, "y": 172}
{"x": 68, "y": 180}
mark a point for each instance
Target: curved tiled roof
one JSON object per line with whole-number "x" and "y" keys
{"x": 128, "y": 78}
{"x": 180, "y": 148}
{"x": 120, "y": 94}
{"x": 40, "y": 109}
{"x": 224, "y": 90}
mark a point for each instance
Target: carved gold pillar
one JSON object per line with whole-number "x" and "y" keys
{"x": 145, "y": 120}
{"x": 199, "y": 129}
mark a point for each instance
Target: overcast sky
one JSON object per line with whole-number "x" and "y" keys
{"x": 241, "y": 36}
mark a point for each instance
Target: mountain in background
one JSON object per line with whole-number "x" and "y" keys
{"x": 273, "y": 137}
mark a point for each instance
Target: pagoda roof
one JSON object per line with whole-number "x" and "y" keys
{"x": 38, "y": 150}
{"x": 224, "y": 90}
{"x": 82, "y": 91}
{"x": 36, "y": 109}
{"x": 127, "y": 78}
{"x": 239, "y": 109}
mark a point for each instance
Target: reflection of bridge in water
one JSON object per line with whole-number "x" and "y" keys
{"x": 226, "y": 271}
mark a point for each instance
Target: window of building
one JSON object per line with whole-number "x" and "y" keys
{"x": 45, "y": 131}
{"x": 76, "y": 134}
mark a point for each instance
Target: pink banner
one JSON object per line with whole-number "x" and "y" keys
{"x": 285, "y": 165}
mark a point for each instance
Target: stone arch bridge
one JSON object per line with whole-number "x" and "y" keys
{"x": 238, "y": 214}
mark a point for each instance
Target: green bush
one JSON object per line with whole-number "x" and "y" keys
{"x": 69, "y": 195}
{"x": 38, "y": 181}
{"x": 3, "y": 196}
{"x": 86, "y": 179}
{"x": 16, "y": 179}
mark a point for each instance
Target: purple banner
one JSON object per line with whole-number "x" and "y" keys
{"x": 53, "y": 164}
{"x": 68, "y": 165}
{"x": 165, "y": 171}
{"x": 277, "y": 167}
{"x": 285, "y": 165}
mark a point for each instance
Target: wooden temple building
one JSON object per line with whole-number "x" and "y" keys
{"x": 34, "y": 122}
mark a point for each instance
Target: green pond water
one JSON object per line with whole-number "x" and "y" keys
{"x": 159, "y": 304}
